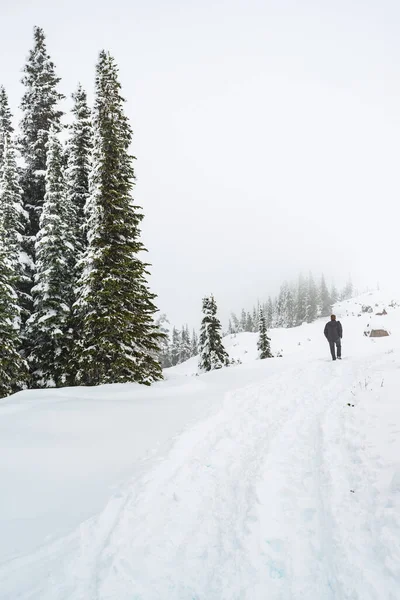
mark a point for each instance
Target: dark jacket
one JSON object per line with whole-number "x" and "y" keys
{"x": 333, "y": 331}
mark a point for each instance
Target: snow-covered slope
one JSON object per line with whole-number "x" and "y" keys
{"x": 275, "y": 479}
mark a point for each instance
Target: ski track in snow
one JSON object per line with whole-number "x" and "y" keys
{"x": 253, "y": 502}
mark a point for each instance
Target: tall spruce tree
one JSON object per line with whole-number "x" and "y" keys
{"x": 264, "y": 343}
{"x": 48, "y": 329}
{"x": 6, "y": 128}
{"x": 78, "y": 162}
{"x": 119, "y": 341}
{"x": 40, "y": 107}
{"x": 212, "y": 352}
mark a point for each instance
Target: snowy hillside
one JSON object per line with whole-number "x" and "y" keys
{"x": 275, "y": 479}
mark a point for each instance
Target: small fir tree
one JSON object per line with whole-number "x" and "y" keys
{"x": 264, "y": 343}
{"x": 212, "y": 352}
{"x": 347, "y": 292}
{"x": 269, "y": 313}
{"x": 334, "y": 294}
{"x": 118, "y": 339}
{"x": 249, "y": 322}
{"x": 235, "y": 323}
{"x": 175, "y": 346}
{"x": 301, "y": 301}
{"x": 165, "y": 346}
{"x": 185, "y": 345}
{"x": 312, "y": 300}
{"x": 194, "y": 347}
{"x": 324, "y": 299}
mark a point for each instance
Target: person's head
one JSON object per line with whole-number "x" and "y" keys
{"x": 333, "y": 317}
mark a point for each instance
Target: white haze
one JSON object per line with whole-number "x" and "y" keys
{"x": 267, "y": 134}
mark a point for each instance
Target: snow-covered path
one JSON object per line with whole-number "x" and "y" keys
{"x": 270, "y": 497}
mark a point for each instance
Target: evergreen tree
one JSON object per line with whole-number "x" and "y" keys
{"x": 48, "y": 329}
{"x": 263, "y": 346}
{"x": 301, "y": 301}
{"x": 255, "y": 316}
{"x": 175, "y": 346}
{"x": 347, "y": 292}
{"x": 235, "y": 323}
{"x": 249, "y": 322}
{"x": 13, "y": 223}
{"x": 185, "y": 346}
{"x": 40, "y": 112}
{"x": 312, "y": 300}
{"x": 290, "y": 316}
{"x": 243, "y": 320}
{"x": 6, "y": 128}
{"x": 13, "y": 368}
{"x": 281, "y": 319}
{"x": 212, "y": 352}
{"x": 324, "y": 299}
{"x": 194, "y": 348}
{"x": 269, "y": 313}
{"x": 78, "y": 160}
{"x": 165, "y": 347}
{"x": 119, "y": 340}
{"x": 334, "y": 294}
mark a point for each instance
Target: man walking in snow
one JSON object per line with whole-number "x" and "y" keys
{"x": 333, "y": 332}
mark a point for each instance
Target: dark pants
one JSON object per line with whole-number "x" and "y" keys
{"x": 338, "y": 344}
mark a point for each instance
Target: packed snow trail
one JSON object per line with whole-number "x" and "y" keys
{"x": 267, "y": 498}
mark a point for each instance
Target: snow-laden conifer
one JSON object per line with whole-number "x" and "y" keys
{"x": 324, "y": 299}
{"x": 14, "y": 220}
{"x": 312, "y": 300}
{"x": 48, "y": 329}
{"x": 212, "y": 352}
{"x": 269, "y": 314}
{"x": 185, "y": 350}
{"x": 13, "y": 368}
{"x": 175, "y": 346}
{"x": 118, "y": 339}
{"x": 301, "y": 301}
{"x": 264, "y": 342}
{"x": 40, "y": 108}
{"x": 194, "y": 350}
{"x": 78, "y": 160}
{"x": 6, "y": 128}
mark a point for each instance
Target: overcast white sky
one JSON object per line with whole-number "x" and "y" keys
{"x": 267, "y": 133}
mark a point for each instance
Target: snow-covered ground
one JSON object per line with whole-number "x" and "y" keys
{"x": 275, "y": 479}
